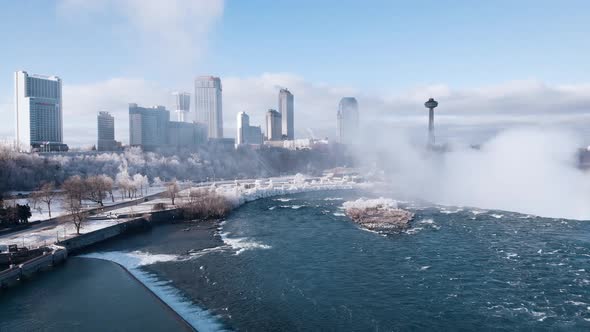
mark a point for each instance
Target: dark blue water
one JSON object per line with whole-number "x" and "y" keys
{"x": 457, "y": 270}
{"x": 84, "y": 295}
{"x": 297, "y": 263}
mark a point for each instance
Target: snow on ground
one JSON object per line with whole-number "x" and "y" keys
{"x": 49, "y": 235}
{"x": 363, "y": 204}
{"x": 40, "y": 212}
{"x": 238, "y": 192}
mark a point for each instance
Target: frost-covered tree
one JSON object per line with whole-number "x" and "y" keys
{"x": 46, "y": 194}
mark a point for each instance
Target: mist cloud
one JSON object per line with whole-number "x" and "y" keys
{"x": 527, "y": 169}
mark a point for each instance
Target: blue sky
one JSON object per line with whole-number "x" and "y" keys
{"x": 373, "y": 48}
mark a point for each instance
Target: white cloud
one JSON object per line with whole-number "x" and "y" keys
{"x": 83, "y": 102}
{"x": 173, "y": 33}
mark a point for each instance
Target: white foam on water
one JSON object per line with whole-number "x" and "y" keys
{"x": 205, "y": 251}
{"x": 413, "y": 230}
{"x": 423, "y": 268}
{"x": 333, "y": 199}
{"x": 449, "y": 211}
{"x": 200, "y": 319}
{"x": 426, "y": 221}
{"x": 294, "y": 207}
{"x": 284, "y": 199}
{"x": 241, "y": 244}
{"x": 429, "y": 223}
{"x": 497, "y": 216}
{"x": 576, "y": 303}
{"x": 339, "y": 214}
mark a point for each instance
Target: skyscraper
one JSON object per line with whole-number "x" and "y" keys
{"x": 286, "y": 109}
{"x": 243, "y": 121}
{"x": 183, "y": 135}
{"x": 348, "y": 120}
{"x": 273, "y": 125}
{"x": 106, "y": 132}
{"x": 208, "y": 108}
{"x": 247, "y": 134}
{"x": 148, "y": 127}
{"x": 38, "y": 111}
{"x": 182, "y": 106}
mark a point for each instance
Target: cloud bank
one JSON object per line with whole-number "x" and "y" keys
{"x": 527, "y": 169}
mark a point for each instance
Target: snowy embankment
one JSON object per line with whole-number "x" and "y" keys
{"x": 239, "y": 194}
{"x": 380, "y": 215}
{"x": 39, "y": 211}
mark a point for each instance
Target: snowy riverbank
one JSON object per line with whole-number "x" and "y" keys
{"x": 237, "y": 192}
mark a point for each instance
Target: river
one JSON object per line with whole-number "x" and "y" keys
{"x": 297, "y": 263}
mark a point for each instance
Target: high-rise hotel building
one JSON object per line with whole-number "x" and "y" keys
{"x": 148, "y": 127}
{"x": 348, "y": 120}
{"x": 247, "y": 134}
{"x": 273, "y": 125}
{"x": 182, "y": 106}
{"x": 286, "y": 108}
{"x": 208, "y": 108}
{"x": 38, "y": 111}
{"x": 106, "y": 132}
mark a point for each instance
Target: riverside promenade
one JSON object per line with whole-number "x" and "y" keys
{"x": 130, "y": 218}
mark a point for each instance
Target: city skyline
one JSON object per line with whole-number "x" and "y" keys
{"x": 498, "y": 81}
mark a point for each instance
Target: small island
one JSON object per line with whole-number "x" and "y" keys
{"x": 379, "y": 215}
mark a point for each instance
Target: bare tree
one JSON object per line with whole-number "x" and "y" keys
{"x": 46, "y": 194}
{"x": 75, "y": 211}
{"x": 205, "y": 204}
{"x": 74, "y": 188}
{"x": 172, "y": 190}
{"x": 97, "y": 188}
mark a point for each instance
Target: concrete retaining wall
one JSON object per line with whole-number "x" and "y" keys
{"x": 61, "y": 251}
{"x": 16, "y": 273}
{"x": 9, "y": 276}
{"x": 165, "y": 216}
{"x": 82, "y": 241}
{"x": 37, "y": 264}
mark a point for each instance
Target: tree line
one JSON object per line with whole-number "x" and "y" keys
{"x": 26, "y": 172}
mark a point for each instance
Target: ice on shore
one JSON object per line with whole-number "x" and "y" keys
{"x": 381, "y": 215}
{"x": 238, "y": 194}
{"x": 377, "y": 203}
